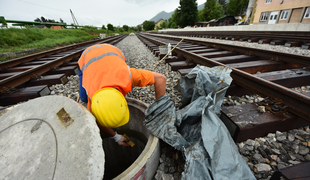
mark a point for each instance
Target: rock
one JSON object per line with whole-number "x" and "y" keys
{"x": 276, "y": 151}
{"x": 300, "y": 138}
{"x": 171, "y": 170}
{"x": 261, "y": 167}
{"x": 291, "y": 137}
{"x": 273, "y": 163}
{"x": 241, "y": 145}
{"x": 250, "y": 142}
{"x": 261, "y": 109}
{"x": 274, "y": 157}
{"x": 161, "y": 160}
{"x": 251, "y": 148}
{"x": 245, "y": 158}
{"x": 293, "y": 162}
{"x": 307, "y": 157}
{"x": 280, "y": 136}
{"x": 281, "y": 166}
{"x": 161, "y": 167}
{"x": 295, "y": 147}
{"x": 259, "y": 158}
{"x": 303, "y": 150}
{"x": 162, "y": 176}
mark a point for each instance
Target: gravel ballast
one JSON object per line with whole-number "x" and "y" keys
{"x": 263, "y": 155}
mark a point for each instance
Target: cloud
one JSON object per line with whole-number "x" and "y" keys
{"x": 144, "y": 3}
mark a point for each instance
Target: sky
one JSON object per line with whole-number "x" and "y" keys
{"x": 88, "y": 12}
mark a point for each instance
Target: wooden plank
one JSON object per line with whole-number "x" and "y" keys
{"x": 6, "y": 75}
{"x": 216, "y": 54}
{"x": 183, "y": 72}
{"x": 49, "y": 80}
{"x": 68, "y": 70}
{"x": 235, "y": 59}
{"x": 288, "y": 78}
{"x": 253, "y": 40}
{"x": 253, "y": 67}
{"x": 264, "y": 41}
{"x": 200, "y": 51}
{"x": 292, "y": 44}
{"x": 181, "y": 65}
{"x": 193, "y": 48}
{"x": 246, "y": 122}
{"x": 35, "y": 62}
{"x": 277, "y": 42}
{"x": 295, "y": 172}
{"x": 20, "y": 68}
{"x": 262, "y": 66}
{"x": 24, "y": 95}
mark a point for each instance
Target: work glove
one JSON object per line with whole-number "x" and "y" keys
{"x": 121, "y": 140}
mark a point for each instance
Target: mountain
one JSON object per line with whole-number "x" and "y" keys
{"x": 164, "y": 15}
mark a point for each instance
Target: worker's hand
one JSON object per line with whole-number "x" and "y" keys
{"x": 121, "y": 140}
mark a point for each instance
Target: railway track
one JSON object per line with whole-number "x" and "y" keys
{"x": 30, "y": 76}
{"x": 285, "y": 38}
{"x": 254, "y": 71}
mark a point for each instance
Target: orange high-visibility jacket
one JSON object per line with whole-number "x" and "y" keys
{"x": 104, "y": 65}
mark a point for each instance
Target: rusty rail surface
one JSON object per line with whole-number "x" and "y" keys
{"x": 298, "y": 103}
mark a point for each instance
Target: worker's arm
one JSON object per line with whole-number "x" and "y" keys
{"x": 160, "y": 84}
{"x": 141, "y": 78}
{"x": 121, "y": 140}
{"x": 82, "y": 91}
{"x": 108, "y": 131}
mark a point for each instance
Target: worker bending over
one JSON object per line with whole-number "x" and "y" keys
{"x": 105, "y": 79}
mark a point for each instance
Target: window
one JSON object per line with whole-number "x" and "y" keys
{"x": 284, "y": 14}
{"x": 268, "y": 1}
{"x": 307, "y": 13}
{"x": 264, "y": 16}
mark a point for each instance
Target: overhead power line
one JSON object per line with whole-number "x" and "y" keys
{"x": 42, "y": 6}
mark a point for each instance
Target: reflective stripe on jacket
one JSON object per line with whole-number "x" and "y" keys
{"x": 104, "y": 65}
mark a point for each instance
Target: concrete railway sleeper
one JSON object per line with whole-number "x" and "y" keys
{"x": 28, "y": 77}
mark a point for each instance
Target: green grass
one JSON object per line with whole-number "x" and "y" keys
{"x": 17, "y": 40}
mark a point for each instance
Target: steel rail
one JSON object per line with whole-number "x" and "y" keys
{"x": 20, "y": 78}
{"x": 299, "y": 103}
{"x": 300, "y": 36}
{"x": 273, "y": 55}
{"x": 17, "y": 61}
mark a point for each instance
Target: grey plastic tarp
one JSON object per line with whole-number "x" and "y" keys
{"x": 196, "y": 129}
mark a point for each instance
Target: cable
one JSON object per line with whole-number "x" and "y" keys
{"x": 41, "y": 6}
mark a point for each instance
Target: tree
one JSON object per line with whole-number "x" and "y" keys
{"x": 174, "y": 25}
{"x": 212, "y": 10}
{"x": 43, "y": 19}
{"x": 224, "y": 4}
{"x": 148, "y": 25}
{"x": 164, "y": 25}
{"x": 126, "y": 28}
{"x": 236, "y": 7}
{"x": 37, "y": 20}
{"x": 189, "y": 13}
{"x": 61, "y": 21}
{"x": 201, "y": 17}
{"x": 139, "y": 27}
{"x": 175, "y": 18}
{"x": 103, "y": 27}
{"x": 110, "y": 27}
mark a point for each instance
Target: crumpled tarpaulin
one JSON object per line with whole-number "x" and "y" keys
{"x": 196, "y": 129}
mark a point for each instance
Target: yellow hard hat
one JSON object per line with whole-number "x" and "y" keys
{"x": 110, "y": 108}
